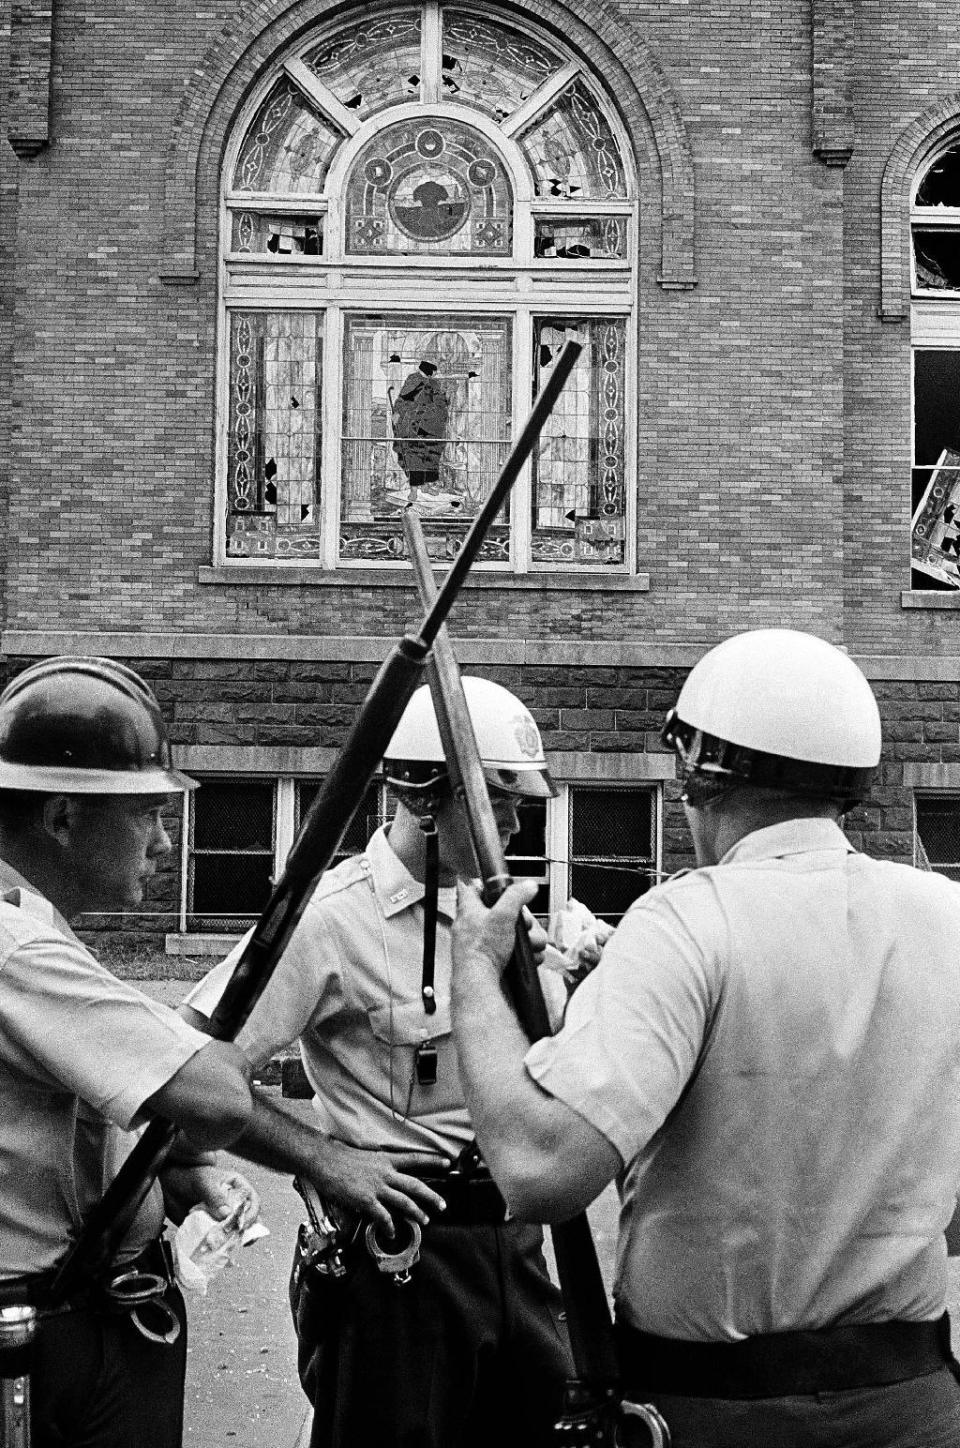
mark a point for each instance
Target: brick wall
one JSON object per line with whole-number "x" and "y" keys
{"x": 739, "y": 383}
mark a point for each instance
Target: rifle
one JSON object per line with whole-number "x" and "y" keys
{"x": 323, "y": 828}
{"x": 593, "y": 1414}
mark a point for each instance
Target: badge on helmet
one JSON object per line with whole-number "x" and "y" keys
{"x": 84, "y": 726}
{"x": 508, "y": 740}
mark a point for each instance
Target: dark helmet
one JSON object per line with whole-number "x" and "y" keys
{"x": 84, "y": 726}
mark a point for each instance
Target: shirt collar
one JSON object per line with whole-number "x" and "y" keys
{"x": 16, "y": 890}
{"x": 790, "y": 837}
{"x": 396, "y": 888}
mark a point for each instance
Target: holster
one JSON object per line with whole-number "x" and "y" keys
{"x": 316, "y": 1293}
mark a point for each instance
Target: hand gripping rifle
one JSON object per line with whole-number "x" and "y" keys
{"x": 313, "y": 850}
{"x": 593, "y": 1414}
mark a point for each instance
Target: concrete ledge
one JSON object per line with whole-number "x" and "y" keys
{"x": 929, "y": 598}
{"x": 583, "y": 653}
{"x": 178, "y": 943}
{"x": 286, "y": 575}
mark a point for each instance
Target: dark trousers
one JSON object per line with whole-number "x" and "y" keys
{"x": 921, "y": 1412}
{"x": 470, "y": 1352}
{"x": 97, "y": 1383}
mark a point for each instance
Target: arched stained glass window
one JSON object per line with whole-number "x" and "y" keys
{"x": 418, "y": 210}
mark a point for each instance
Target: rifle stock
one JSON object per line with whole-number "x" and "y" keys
{"x": 584, "y": 1295}
{"x": 323, "y": 828}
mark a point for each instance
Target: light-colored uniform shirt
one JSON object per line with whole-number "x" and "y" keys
{"x": 773, "y": 1047}
{"x": 349, "y": 987}
{"x": 80, "y": 1053}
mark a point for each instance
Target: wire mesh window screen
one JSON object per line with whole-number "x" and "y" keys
{"x": 230, "y": 853}
{"x": 526, "y": 851}
{"x": 938, "y": 834}
{"x": 375, "y": 809}
{"x": 612, "y": 848}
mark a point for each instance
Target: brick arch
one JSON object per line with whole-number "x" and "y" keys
{"x": 911, "y": 149}
{"x": 257, "y": 38}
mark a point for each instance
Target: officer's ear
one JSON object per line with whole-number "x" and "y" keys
{"x": 58, "y": 818}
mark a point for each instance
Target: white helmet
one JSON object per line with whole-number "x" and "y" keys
{"x": 780, "y": 709}
{"x": 507, "y": 737}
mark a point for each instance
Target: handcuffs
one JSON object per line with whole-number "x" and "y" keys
{"x": 324, "y": 1243}
{"x": 131, "y": 1291}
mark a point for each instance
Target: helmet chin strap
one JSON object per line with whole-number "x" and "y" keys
{"x": 431, "y": 884}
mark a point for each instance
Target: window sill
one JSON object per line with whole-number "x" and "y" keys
{"x": 306, "y": 577}
{"x": 929, "y": 598}
{"x": 180, "y": 943}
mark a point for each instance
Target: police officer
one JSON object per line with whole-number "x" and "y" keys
{"x": 470, "y": 1351}
{"x": 85, "y": 770}
{"x": 768, "y": 1060}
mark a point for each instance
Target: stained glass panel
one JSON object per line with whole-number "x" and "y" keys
{"x": 573, "y": 151}
{"x": 429, "y": 188}
{"x": 261, "y": 234}
{"x": 287, "y": 148}
{"x": 427, "y": 418}
{"x": 604, "y": 237}
{"x": 490, "y": 65}
{"x": 373, "y": 64}
{"x": 273, "y": 479}
{"x": 578, "y": 485}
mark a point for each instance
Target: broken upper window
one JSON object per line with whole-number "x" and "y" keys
{"x": 936, "y": 226}
{"x": 406, "y": 200}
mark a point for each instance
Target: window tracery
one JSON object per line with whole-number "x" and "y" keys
{"x": 475, "y": 161}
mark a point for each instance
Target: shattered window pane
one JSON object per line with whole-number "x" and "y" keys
{"x": 273, "y": 478}
{"x": 288, "y": 147}
{"x": 941, "y": 184}
{"x": 490, "y": 65}
{"x": 935, "y": 544}
{"x": 579, "y": 495}
{"x": 573, "y": 151}
{"x": 429, "y": 188}
{"x": 261, "y": 234}
{"x": 937, "y": 258}
{"x": 935, "y": 540}
{"x": 372, "y": 64}
{"x": 427, "y": 419}
{"x": 602, "y": 237}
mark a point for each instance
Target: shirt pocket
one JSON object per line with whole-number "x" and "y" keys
{"x": 408, "y": 1037}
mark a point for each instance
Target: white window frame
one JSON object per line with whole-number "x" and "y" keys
{"x": 556, "y": 839}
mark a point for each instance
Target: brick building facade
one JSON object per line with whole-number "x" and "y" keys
{"x": 230, "y": 234}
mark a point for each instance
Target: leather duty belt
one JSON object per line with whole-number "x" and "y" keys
{"x": 775, "y": 1365}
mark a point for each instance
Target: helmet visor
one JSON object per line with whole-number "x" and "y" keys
{"x": 523, "y": 783}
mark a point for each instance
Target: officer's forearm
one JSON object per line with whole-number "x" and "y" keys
{"x": 276, "y": 1139}
{"x": 548, "y": 1161}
